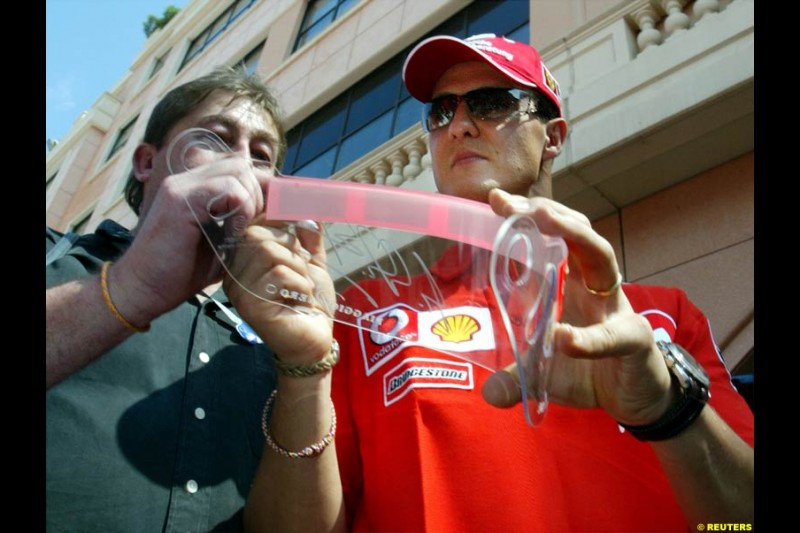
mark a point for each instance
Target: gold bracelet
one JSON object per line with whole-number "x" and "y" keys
{"x": 110, "y": 303}
{"x": 300, "y": 371}
{"x": 307, "y": 452}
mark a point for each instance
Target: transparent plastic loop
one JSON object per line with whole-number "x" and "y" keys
{"x": 525, "y": 271}
{"x": 526, "y": 276}
{"x": 221, "y": 225}
{"x": 224, "y": 226}
{"x": 413, "y": 271}
{"x": 181, "y": 153}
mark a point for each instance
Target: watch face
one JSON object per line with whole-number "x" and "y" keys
{"x": 684, "y": 365}
{"x": 690, "y": 364}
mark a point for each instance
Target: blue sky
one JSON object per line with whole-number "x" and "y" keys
{"x": 90, "y": 45}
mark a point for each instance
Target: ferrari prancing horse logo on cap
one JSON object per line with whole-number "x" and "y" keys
{"x": 551, "y": 81}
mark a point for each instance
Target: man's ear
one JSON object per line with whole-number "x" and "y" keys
{"x": 144, "y": 158}
{"x": 556, "y": 131}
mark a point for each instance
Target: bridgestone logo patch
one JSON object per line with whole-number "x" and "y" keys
{"x": 420, "y": 372}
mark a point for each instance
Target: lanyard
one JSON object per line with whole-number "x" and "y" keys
{"x": 242, "y": 328}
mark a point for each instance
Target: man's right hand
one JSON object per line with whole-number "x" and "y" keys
{"x": 170, "y": 258}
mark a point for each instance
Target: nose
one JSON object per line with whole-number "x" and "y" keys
{"x": 241, "y": 147}
{"x": 462, "y": 124}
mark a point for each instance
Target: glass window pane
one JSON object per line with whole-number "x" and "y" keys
{"x": 318, "y": 9}
{"x": 496, "y": 17}
{"x": 319, "y": 15}
{"x": 122, "y": 138}
{"x": 80, "y": 225}
{"x": 373, "y": 96}
{"x": 321, "y": 167}
{"x": 521, "y": 34}
{"x": 344, "y": 6}
{"x": 403, "y": 91}
{"x": 250, "y": 61}
{"x": 292, "y": 144}
{"x": 157, "y": 64}
{"x": 408, "y": 113}
{"x": 218, "y": 25}
{"x": 238, "y": 7}
{"x": 369, "y": 137}
{"x": 456, "y": 27}
{"x": 214, "y": 29}
{"x": 322, "y": 131}
{"x": 197, "y": 45}
{"x": 315, "y": 30}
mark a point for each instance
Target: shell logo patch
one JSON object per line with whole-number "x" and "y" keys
{"x": 456, "y": 328}
{"x": 386, "y": 332}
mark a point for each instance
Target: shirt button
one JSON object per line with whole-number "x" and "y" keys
{"x": 191, "y": 486}
{"x": 203, "y": 356}
{"x": 199, "y": 413}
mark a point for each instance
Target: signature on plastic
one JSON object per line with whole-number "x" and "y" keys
{"x": 381, "y": 260}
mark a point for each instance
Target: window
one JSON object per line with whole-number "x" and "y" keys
{"x": 368, "y": 115}
{"x": 250, "y": 62}
{"x": 122, "y": 138}
{"x": 80, "y": 225}
{"x": 378, "y": 107}
{"x": 212, "y": 31}
{"x": 122, "y": 181}
{"x": 319, "y": 15}
{"x": 157, "y": 64}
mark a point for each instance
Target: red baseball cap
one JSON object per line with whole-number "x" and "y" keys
{"x": 519, "y": 62}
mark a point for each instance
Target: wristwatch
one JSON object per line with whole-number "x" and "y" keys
{"x": 691, "y": 383}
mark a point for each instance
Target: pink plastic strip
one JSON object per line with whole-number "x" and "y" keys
{"x": 292, "y": 198}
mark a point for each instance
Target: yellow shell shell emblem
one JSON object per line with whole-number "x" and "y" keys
{"x": 456, "y": 328}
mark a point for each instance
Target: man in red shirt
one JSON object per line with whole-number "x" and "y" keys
{"x": 631, "y": 441}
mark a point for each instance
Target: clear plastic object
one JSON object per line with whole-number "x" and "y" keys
{"x": 414, "y": 270}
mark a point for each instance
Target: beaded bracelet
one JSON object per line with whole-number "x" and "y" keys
{"x": 300, "y": 371}
{"x": 110, "y": 303}
{"x": 307, "y": 452}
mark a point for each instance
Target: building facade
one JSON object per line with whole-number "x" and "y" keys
{"x": 659, "y": 95}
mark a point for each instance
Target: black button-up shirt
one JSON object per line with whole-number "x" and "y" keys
{"x": 162, "y": 433}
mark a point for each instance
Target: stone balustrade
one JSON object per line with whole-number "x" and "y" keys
{"x": 657, "y": 20}
{"x": 398, "y": 161}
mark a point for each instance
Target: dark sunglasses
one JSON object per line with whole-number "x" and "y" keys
{"x": 482, "y": 104}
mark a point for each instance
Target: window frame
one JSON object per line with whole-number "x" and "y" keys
{"x": 217, "y": 27}
{"x": 123, "y": 135}
{"x": 158, "y": 64}
{"x": 311, "y": 28}
{"x": 50, "y": 181}
{"x": 255, "y": 53}
{"x": 80, "y": 222}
